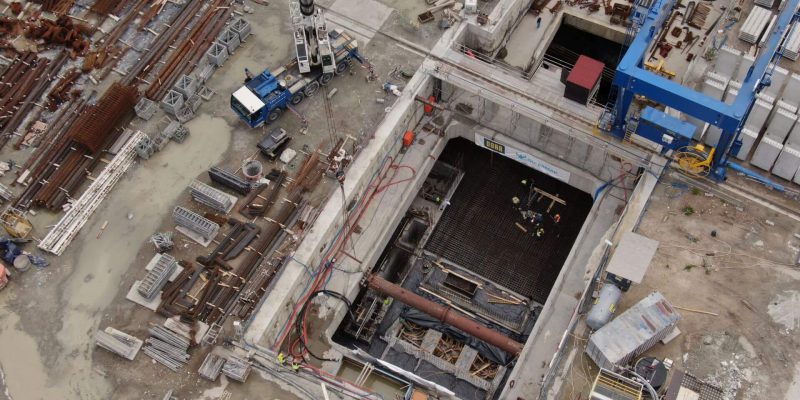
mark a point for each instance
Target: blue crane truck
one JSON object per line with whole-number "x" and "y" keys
{"x": 264, "y": 97}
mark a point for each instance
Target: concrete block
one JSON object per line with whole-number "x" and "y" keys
{"x": 748, "y": 140}
{"x": 786, "y": 106}
{"x": 746, "y": 63}
{"x": 758, "y": 115}
{"x": 217, "y": 54}
{"x": 721, "y": 78}
{"x": 172, "y": 102}
{"x": 727, "y": 61}
{"x": 779, "y": 77}
{"x": 791, "y": 94}
{"x": 730, "y": 95}
{"x": 241, "y": 28}
{"x": 794, "y": 137}
{"x": 781, "y": 123}
{"x": 766, "y": 153}
{"x": 787, "y": 164}
{"x": 714, "y": 88}
{"x": 712, "y": 135}
{"x": 766, "y": 97}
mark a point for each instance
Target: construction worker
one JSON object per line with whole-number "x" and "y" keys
{"x": 281, "y": 358}
{"x": 295, "y": 366}
{"x": 539, "y": 232}
{"x": 515, "y": 201}
{"x": 557, "y": 218}
{"x": 248, "y": 76}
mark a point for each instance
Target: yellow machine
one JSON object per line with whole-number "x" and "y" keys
{"x": 659, "y": 69}
{"x": 15, "y": 223}
{"x": 695, "y": 160}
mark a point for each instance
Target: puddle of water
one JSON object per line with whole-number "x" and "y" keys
{"x": 148, "y": 192}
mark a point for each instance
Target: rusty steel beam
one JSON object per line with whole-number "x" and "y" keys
{"x": 445, "y": 314}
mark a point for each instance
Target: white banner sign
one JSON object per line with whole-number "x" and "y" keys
{"x": 522, "y": 157}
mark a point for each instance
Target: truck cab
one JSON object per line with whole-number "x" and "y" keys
{"x": 264, "y": 97}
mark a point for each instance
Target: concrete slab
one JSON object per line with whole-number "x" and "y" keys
{"x": 748, "y": 140}
{"x": 766, "y": 153}
{"x": 727, "y": 61}
{"x": 524, "y": 40}
{"x": 780, "y": 125}
{"x": 369, "y": 13}
{"x": 791, "y": 94}
{"x": 632, "y": 257}
{"x": 787, "y": 164}
{"x": 758, "y": 115}
{"x": 794, "y": 136}
{"x": 746, "y": 63}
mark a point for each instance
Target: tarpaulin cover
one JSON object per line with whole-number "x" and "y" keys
{"x": 484, "y": 349}
{"x": 11, "y": 249}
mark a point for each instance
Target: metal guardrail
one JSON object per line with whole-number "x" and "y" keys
{"x": 488, "y": 59}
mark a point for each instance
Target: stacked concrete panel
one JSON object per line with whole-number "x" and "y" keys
{"x": 765, "y": 35}
{"x": 779, "y": 77}
{"x": 765, "y": 3}
{"x": 780, "y": 125}
{"x": 792, "y": 43}
{"x": 791, "y": 94}
{"x": 748, "y": 138}
{"x": 787, "y": 164}
{"x": 754, "y": 25}
{"x": 744, "y": 66}
{"x": 766, "y": 153}
{"x": 758, "y": 115}
{"x": 727, "y": 61}
{"x": 794, "y": 136}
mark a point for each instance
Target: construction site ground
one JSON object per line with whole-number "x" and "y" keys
{"x": 741, "y": 282}
{"x": 49, "y": 316}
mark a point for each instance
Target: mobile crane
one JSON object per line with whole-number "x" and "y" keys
{"x": 320, "y": 54}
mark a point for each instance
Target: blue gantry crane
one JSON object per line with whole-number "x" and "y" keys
{"x": 633, "y": 79}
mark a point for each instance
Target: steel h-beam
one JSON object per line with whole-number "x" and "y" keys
{"x": 632, "y": 78}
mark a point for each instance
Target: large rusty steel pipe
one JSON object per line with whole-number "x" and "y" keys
{"x": 445, "y": 314}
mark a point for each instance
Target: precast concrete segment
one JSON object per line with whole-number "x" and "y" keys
{"x": 748, "y": 138}
{"x": 766, "y": 153}
{"x": 780, "y": 125}
{"x": 787, "y": 164}
{"x": 727, "y": 61}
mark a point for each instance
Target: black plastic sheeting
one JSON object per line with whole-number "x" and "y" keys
{"x": 486, "y": 350}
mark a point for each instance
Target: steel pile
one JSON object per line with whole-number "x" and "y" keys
{"x": 22, "y": 84}
{"x": 229, "y": 180}
{"x": 211, "y": 367}
{"x": 167, "y": 348}
{"x": 97, "y": 127}
{"x": 192, "y": 49}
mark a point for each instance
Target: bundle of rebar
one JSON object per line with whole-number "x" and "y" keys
{"x": 56, "y": 6}
{"x": 54, "y": 181}
{"x": 411, "y": 333}
{"x": 57, "y": 240}
{"x": 211, "y": 197}
{"x": 211, "y": 367}
{"x": 236, "y": 368}
{"x": 163, "y": 265}
{"x": 118, "y": 342}
{"x": 192, "y": 49}
{"x": 167, "y": 348}
{"x": 448, "y": 349}
{"x": 22, "y": 84}
{"x": 484, "y": 368}
{"x": 152, "y": 55}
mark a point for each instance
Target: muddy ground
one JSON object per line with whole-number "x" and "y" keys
{"x": 735, "y": 263}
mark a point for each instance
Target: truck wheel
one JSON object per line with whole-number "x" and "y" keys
{"x": 342, "y": 67}
{"x": 297, "y": 98}
{"x": 325, "y": 78}
{"x": 274, "y": 114}
{"x": 311, "y": 88}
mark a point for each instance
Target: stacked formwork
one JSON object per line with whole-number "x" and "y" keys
{"x": 162, "y": 266}
{"x": 754, "y": 25}
{"x": 212, "y": 197}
